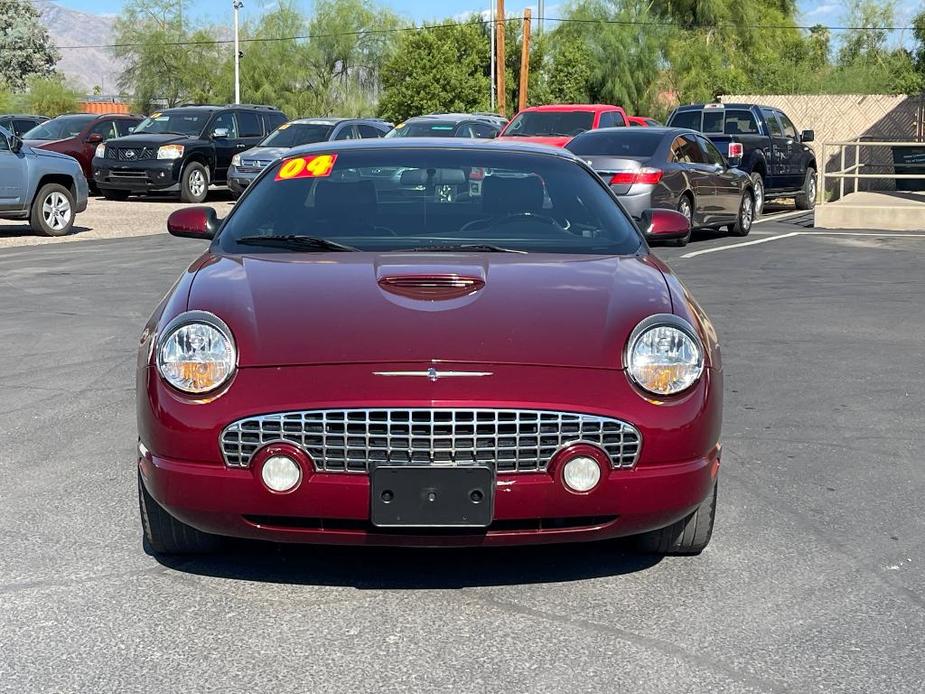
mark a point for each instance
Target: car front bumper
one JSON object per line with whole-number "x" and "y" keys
{"x": 182, "y": 467}
{"x": 138, "y": 176}
{"x": 239, "y": 179}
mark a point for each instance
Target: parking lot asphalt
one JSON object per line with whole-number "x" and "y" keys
{"x": 813, "y": 583}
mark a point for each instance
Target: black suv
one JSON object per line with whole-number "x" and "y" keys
{"x": 20, "y": 124}
{"x": 181, "y": 150}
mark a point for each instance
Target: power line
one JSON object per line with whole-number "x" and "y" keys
{"x": 430, "y": 27}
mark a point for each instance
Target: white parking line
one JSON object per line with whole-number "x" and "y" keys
{"x": 740, "y": 245}
{"x": 781, "y": 215}
{"x": 877, "y": 234}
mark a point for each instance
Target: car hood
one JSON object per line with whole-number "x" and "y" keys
{"x": 38, "y": 149}
{"x": 149, "y": 139}
{"x": 329, "y": 308}
{"x": 552, "y": 141}
{"x": 265, "y": 153}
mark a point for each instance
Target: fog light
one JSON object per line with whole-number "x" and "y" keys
{"x": 582, "y": 474}
{"x": 281, "y": 473}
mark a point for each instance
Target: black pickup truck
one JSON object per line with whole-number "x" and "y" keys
{"x": 763, "y": 142}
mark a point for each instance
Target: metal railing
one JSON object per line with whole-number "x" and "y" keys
{"x": 854, "y": 171}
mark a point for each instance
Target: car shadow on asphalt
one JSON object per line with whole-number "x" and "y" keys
{"x": 377, "y": 568}
{"x": 12, "y": 231}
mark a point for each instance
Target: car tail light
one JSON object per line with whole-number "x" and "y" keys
{"x": 644, "y": 176}
{"x": 736, "y": 150}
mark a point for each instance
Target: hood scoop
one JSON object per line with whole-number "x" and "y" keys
{"x": 431, "y": 287}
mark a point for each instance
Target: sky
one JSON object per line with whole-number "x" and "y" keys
{"x": 828, "y": 12}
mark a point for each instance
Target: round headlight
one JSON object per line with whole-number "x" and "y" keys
{"x": 581, "y": 474}
{"x": 665, "y": 356}
{"x": 196, "y": 354}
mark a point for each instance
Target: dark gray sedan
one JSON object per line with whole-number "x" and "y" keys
{"x": 672, "y": 168}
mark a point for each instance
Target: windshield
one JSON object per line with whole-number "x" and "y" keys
{"x": 424, "y": 128}
{"x": 417, "y": 198}
{"x": 550, "y": 123}
{"x": 630, "y": 143}
{"x": 59, "y": 128}
{"x": 293, "y": 134}
{"x": 177, "y": 122}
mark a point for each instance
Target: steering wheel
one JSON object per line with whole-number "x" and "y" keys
{"x": 510, "y": 218}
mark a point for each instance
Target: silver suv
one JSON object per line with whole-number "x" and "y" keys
{"x": 44, "y": 187}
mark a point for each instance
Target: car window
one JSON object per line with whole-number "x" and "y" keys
{"x": 346, "y": 133}
{"x": 713, "y": 121}
{"x": 293, "y": 134}
{"x": 787, "y": 126}
{"x": 424, "y": 128}
{"x": 711, "y": 155}
{"x": 59, "y": 128}
{"x": 685, "y": 119}
{"x": 627, "y": 143}
{"x": 106, "y": 128}
{"x": 126, "y": 126}
{"x": 226, "y": 120}
{"x": 4, "y": 145}
{"x": 483, "y": 131}
{"x": 20, "y": 126}
{"x": 180, "y": 122}
{"x": 773, "y": 124}
{"x": 465, "y": 130}
{"x": 248, "y": 124}
{"x": 272, "y": 121}
{"x": 740, "y": 122}
{"x": 550, "y": 123}
{"x": 368, "y": 131}
{"x": 611, "y": 119}
{"x": 685, "y": 150}
{"x": 412, "y": 198}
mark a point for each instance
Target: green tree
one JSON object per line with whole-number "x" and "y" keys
{"x": 440, "y": 68}
{"x": 51, "y": 96}
{"x": 165, "y": 58}
{"x": 568, "y": 68}
{"x": 25, "y": 48}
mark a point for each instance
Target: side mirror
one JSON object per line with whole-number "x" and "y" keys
{"x": 193, "y": 223}
{"x": 808, "y": 135}
{"x": 659, "y": 226}
{"x": 93, "y": 138}
{"x": 15, "y": 144}
{"x": 220, "y": 133}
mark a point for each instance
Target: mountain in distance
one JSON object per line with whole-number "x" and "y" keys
{"x": 84, "y": 68}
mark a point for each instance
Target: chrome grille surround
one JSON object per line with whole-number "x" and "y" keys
{"x": 350, "y": 440}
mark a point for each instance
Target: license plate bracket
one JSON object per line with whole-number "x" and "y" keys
{"x": 428, "y": 496}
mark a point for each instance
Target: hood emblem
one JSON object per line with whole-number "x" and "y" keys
{"x": 433, "y": 374}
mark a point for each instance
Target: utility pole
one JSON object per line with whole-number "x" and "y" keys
{"x": 237, "y": 5}
{"x": 502, "y": 94}
{"x": 525, "y": 60}
{"x": 541, "y": 16}
{"x": 491, "y": 38}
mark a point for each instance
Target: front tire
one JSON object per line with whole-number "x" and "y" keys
{"x": 688, "y": 536}
{"x": 194, "y": 183}
{"x": 807, "y": 199}
{"x": 758, "y": 188}
{"x": 743, "y": 223}
{"x": 164, "y": 534}
{"x": 52, "y": 211}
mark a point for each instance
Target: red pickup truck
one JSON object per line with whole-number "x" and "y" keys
{"x": 556, "y": 124}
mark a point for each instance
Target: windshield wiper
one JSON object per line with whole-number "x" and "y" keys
{"x": 469, "y": 247}
{"x": 295, "y": 242}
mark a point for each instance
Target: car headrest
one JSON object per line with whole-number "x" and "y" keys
{"x": 354, "y": 198}
{"x": 504, "y": 195}
{"x": 433, "y": 177}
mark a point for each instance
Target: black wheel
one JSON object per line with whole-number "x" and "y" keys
{"x": 689, "y": 535}
{"x": 807, "y": 199}
{"x": 114, "y": 194}
{"x": 52, "y": 210}
{"x": 743, "y": 223}
{"x": 758, "y": 188}
{"x": 164, "y": 534}
{"x": 194, "y": 182}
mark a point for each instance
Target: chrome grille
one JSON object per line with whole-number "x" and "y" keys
{"x": 351, "y": 440}
{"x": 130, "y": 153}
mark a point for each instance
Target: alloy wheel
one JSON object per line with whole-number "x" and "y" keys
{"x": 684, "y": 207}
{"x": 747, "y": 212}
{"x": 197, "y": 183}
{"x": 56, "y": 211}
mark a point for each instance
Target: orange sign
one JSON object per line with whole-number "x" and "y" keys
{"x": 318, "y": 166}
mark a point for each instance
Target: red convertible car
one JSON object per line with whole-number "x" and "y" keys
{"x": 372, "y": 351}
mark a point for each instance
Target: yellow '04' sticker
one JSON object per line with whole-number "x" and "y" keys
{"x": 318, "y": 166}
